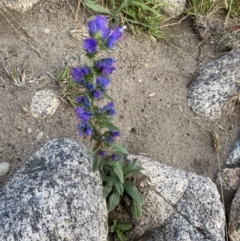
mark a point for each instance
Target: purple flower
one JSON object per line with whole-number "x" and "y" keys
{"x": 102, "y": 82}
{"x": 80, "y": 72}
{"x": 106, "y": 65}
{"x": 97, "y": 25}
{"x": 97, "y": 95}
{"x": 84, "y": 129}
{"x": 90, "y": 86}
{"x": 91, "y": 45}
{"x": 108, "y": 109}
{"x": 82, "y": 99}
{"x": 83, "y": 115}
{"x": 114, "y": 37}
{"x": 112, "y": 135}
{"x": 114, "y": 157}
{"x": 102, "y": 153}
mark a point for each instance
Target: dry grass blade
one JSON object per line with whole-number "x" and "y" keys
{"x": 232, "y": 103}
{"x": 20, "y": 78}
{"x": 217, "y": 146}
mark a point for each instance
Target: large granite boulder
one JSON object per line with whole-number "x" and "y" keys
{"x": 234, "y": 221}
{"x": 55, "y": 196}
{"x": 18, "y": 5}
{"x": 179, "y": 206}
{"x": 215, "y": 83}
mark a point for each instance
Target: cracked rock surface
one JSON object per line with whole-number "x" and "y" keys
{"x": 54, "y": 196}
{"x": 179, "y": 206}
{"x": 215, "y": 83}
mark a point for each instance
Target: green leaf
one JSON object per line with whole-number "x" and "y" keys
{"x": 106, "y": 96}
{"x": 120, "y": 235}
{"x": 133, "y": 192}
{"x": 124, "y": 226}
{"x": 131, "y": 169}
{"x": 113, "y": 201}
{"x": 112, "y": 228}
{"x": 104, "y": 177}
{"x": 108, "y": 125}
{"x": 117, "y": 168}
{"x": 96, "y": 163}
{"x": 96, "y": 7}
{"x": 108, "y": 187}
{"x": 119, "y": 148}
{"x": 136, "y": 210}
{"x": 116, "y": 183}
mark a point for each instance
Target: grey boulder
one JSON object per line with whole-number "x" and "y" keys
{"x": 179, "y": 206}
{"x": 55, "y": 196}
{"x": 18, "y": 5}
{"x": 233, "y": 157}
{"x": 215, "y": 83}
{"x": 234, "y": 221}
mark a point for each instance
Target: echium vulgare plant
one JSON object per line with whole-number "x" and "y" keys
{"x": 96, "y": 118}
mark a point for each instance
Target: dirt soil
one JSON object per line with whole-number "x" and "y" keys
{"x": 161, "y": 127}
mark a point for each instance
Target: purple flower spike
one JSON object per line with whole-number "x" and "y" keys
{"x": 80, "y": 72}
{"x": 106, "y": 65}
{"x": 84, "y": 129}
{"x": 114, "y": 37}
{"x": 98, "y": 25}
{"x": 91, "y": 45}
{"x": 83, "y": 115}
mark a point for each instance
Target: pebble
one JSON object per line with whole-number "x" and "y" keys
{"x": 151, "y": 95}
{"x": 26, "y": 110}
{"x": 39, "y": 135}
{"x": 46, "y": 30}
{"x": 29, "y": 130}
{"x": 4, "y": 168}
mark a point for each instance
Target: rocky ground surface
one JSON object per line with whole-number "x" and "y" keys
{"x": 150, "y": 89}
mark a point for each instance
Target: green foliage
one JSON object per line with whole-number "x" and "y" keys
{"x": 71, "y": 89}
{"x": 139, "y": 15}
{"x": 209, "y": 7}
{"x": 119, "y": 228}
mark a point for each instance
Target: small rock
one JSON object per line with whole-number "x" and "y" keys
{"x": 39, "y": 135}
{"x": 174, "y": 7}
{"x": 44, "y": 104}
{"x": 19, "y": 128}
{"x": 29, "y": 130}
{"x": 46, "y": 30}
{"x": 151, "y": 95}
{"x": 4, "y": 168}
{"x": 26, "y": 110}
